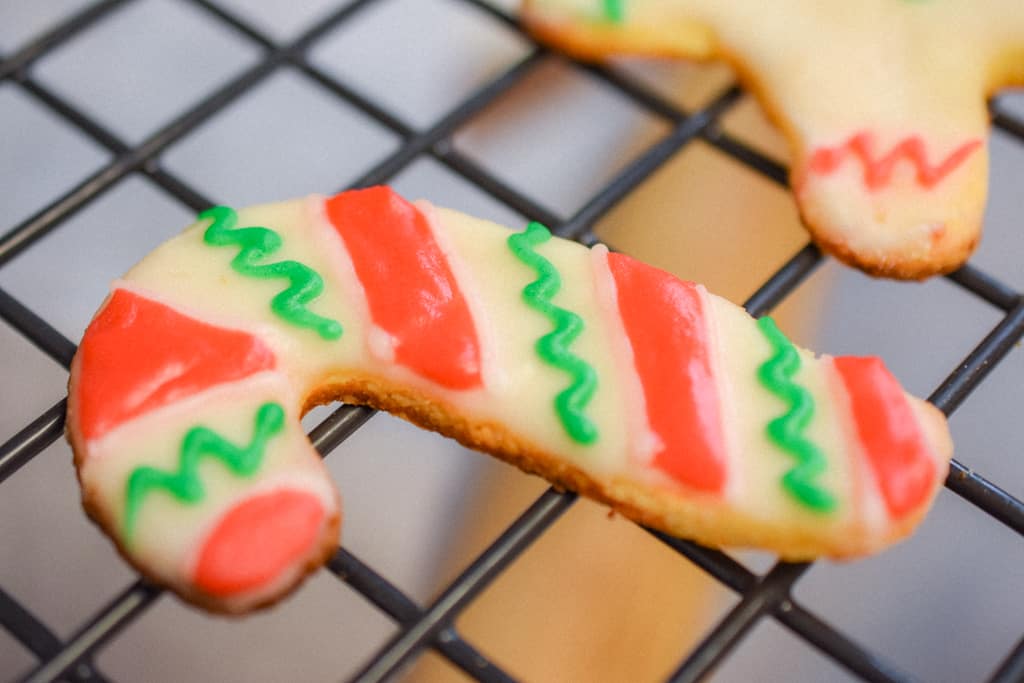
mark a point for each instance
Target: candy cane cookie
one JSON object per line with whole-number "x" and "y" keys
{"x": 600, "y": 373}
{"x": 883, "y": 103}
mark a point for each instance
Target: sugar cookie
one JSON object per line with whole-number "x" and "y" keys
{"x": 596, "y": 371}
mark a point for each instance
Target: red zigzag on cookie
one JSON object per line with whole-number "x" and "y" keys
{"x": 878, "y": 171}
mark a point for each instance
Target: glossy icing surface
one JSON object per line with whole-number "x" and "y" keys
{"x": 555, "y": 346}
{"x": 413, "y": 296}
{"x": 759, "y": 465}
{"x": 256, "y": 540}
{"x": 888, "y": 432}
{"x": 213, "y": 488}
{"x": 140, "y": 355}
{"x": 525, "y": 386}
{"x": 199, "y": 281}
{"x": 787, "y": 430}
{"x": 167, "y": 532}
{"x": 664, "y": 320}
{"x": 184, "y": 483}
{"x": 256, "y": 243}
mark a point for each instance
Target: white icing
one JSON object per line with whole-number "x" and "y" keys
{"x": 381, "y": 344}
{"x": 519, "y": 388}
{"x": 735, "y": 485}
{"x": 310, "y": 480}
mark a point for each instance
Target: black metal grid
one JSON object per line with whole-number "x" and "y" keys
{"x": 432, "y": 626}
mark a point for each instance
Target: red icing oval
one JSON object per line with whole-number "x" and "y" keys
{"x": 138, "y": 355}
{"x": 410, "y": 288}
{"x": 664, "y": 320}
{"x": 258, "y": 540}
{"x": 892, "y": 440}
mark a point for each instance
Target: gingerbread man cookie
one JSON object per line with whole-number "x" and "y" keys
{"x": 596, "y": 371}
{"x": 883, "y": 102}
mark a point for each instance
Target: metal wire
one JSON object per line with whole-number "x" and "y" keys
{"x": 761, "y": 597}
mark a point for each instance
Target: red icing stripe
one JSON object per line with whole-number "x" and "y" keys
{"x": 664, "y": 320}
{"x": 139, "y": 355}
{"x": 889, "y": 434}
{"x": 257, "y": 540}
{"x": 409, "y": 285}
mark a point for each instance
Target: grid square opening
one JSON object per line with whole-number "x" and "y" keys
{"x": 404, "y": 54}
{"x": 287, "y": 138}
{"x": 40, "y": 156}
{"x": 135, "y": 79}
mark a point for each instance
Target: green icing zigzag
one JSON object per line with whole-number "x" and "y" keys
{"x": 787, "y": 431}
{"x": 184, "y": 483}
{"x": 554, "y": 347}
{"x": 256, "y": 243}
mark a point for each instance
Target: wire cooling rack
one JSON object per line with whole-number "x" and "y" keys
{"x": 424, "y": 627}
